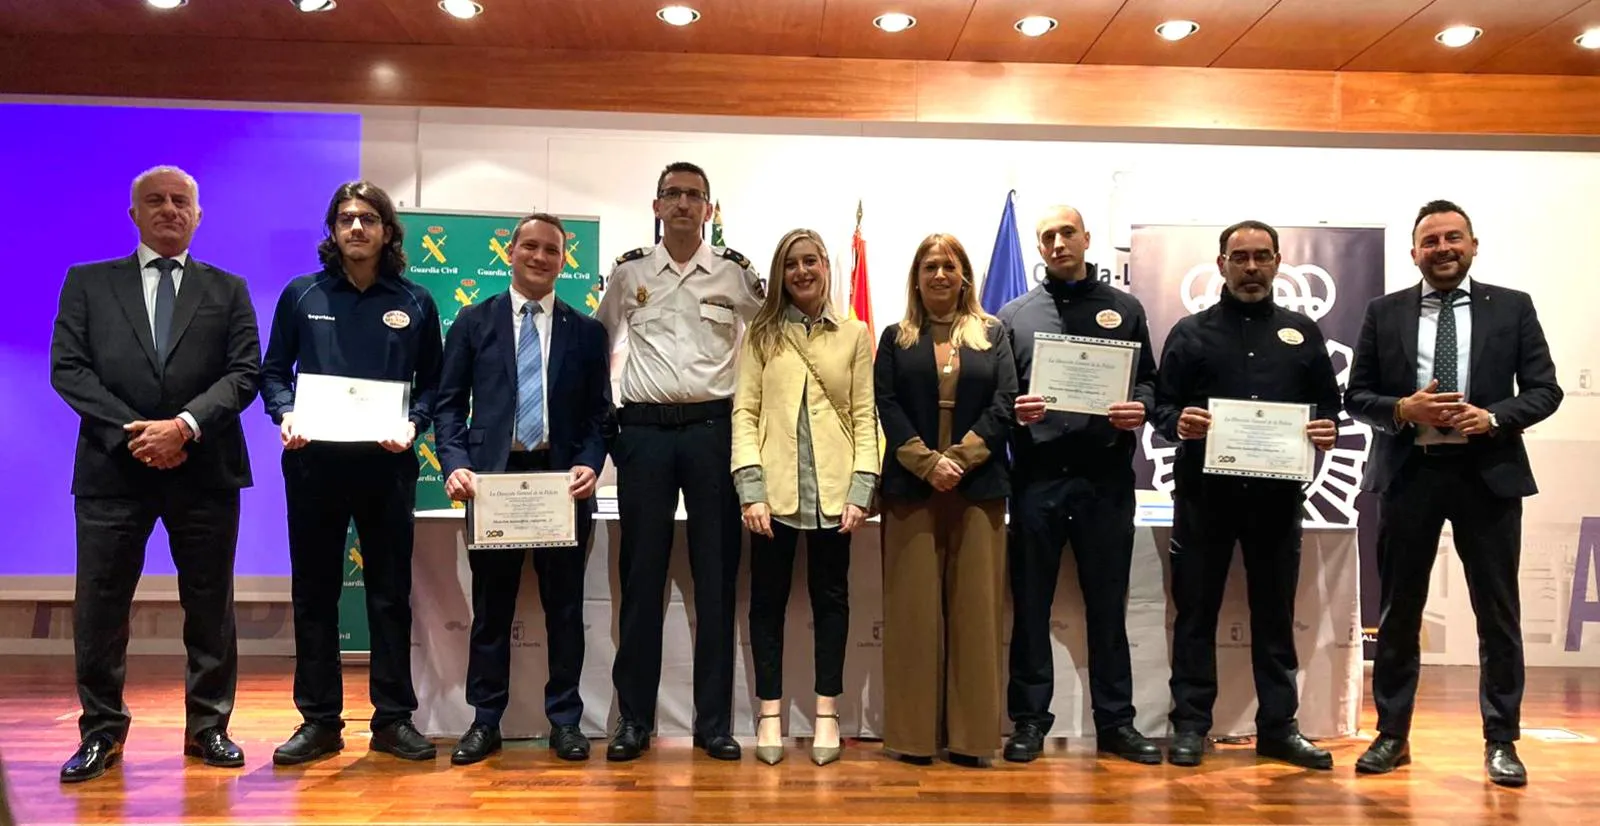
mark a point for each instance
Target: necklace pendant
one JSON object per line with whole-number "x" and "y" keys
{"x": 947, "y": 368}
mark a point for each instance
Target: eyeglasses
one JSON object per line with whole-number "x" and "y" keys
{"x": 695, "y": 196}
{"x": 1243, "y": 257}
{"x": 346, "y": 220}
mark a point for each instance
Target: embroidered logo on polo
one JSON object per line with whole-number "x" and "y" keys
{"x": 397, "y": 319}
{"x": 1109, "y": 319}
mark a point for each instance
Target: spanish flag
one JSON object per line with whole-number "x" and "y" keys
{"x": 860, "y": 293}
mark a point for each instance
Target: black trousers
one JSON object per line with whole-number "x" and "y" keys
{"x": 827, "y": 578}
{"x": 326, "y": 485}
{"x": 203, "y": 532}
{"x": 1263, "y": 517}
{"x": 1488, "y": 538}
{"x": 655, "y": 462}
{"x": 1096, "y": 517}
{"x": 496, "y": 579}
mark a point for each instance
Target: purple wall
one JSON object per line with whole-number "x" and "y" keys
{"x": 265, "y": 178}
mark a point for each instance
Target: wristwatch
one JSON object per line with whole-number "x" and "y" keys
{"x": 1494, "y": 422}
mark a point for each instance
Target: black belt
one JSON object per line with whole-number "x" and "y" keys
{"x": 1444, "y": 449}
{"x": 673, "y": 415}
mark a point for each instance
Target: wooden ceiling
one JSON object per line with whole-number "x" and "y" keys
{"x": 1520, "y": 36}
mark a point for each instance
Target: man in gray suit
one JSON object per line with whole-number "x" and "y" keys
{"x": 157, "y": 353}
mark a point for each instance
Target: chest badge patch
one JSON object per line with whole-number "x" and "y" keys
{"x": 1290, "y": 335}
{"x": 1109, "y": 319}
{"x": 397, "y": 319}
{"x": 642, "y": 295}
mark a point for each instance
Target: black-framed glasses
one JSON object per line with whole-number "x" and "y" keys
{"x": 695, "y": 196}
{"x": 347, "y": 220}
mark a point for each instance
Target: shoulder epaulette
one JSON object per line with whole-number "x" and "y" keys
{"x": 634, "y": 254}
{"x": 735, "y": 256}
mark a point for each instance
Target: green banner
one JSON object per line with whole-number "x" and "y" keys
{"x": 463, "y": 258}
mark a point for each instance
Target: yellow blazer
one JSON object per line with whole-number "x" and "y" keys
{"x": 766, "y": 413}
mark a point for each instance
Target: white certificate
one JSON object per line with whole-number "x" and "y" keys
{"x": 1266, "y": 440}
{"x": 342, "y": 409}
{"x": 521, "y": 510}
{"x": 1076, "y": 374}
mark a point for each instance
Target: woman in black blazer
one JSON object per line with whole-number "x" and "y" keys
{"x": 945, "y": 384}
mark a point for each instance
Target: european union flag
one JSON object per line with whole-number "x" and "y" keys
{"x": 1006, "y": 278}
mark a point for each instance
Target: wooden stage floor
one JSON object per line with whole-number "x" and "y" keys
{"x": 676, "y": 784}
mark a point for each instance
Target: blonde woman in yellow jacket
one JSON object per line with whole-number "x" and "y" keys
{"x": 805, "y": 461}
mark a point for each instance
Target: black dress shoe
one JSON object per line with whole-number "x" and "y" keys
{"x": 719, "y": 746}
{"x": 967, "y": 761}
{"x": 1025, "y": 744}
{"x": 95, "y": 754}
{"x": 1504, "y": 767}
{"x": 403, "y": 741}
{"x": 479, "y": 742}
{"x": 631, "y": 740}
{"x": 309, "y": 742}
{"x": 213, "y": 746}
{"x": 1386, "y": 754}
{"x": 1127, "y": 743}
{"x": 1187, "y": 748}
{"x": 568, "y": 743}
{"x": 1295, "y": 749}
{"x": 910, "y": 759}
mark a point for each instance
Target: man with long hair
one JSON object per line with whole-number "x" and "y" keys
{"x": 359, "y": 317}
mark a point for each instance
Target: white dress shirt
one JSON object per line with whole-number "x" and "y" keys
{"x": 151, "y": 278}
{"x": 1428, "y": 336}
{"x": 541, "y": 322}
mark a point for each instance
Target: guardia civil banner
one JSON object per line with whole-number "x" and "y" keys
{"x": 463, "y": 258}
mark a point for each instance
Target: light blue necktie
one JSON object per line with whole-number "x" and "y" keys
{"x": 530, "y": 380}
{"x": 166, "y": 297}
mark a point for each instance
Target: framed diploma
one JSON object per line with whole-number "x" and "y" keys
{"x": 342, "y": 409}
{"x": 1076, "y": 374}
{"x": 1266, "y": 440}
{"x": 521, "y": 510}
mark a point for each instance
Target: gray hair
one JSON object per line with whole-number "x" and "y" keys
{"x": 194, "y": 186}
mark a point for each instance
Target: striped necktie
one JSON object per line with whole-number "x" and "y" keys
{"x": 530, "y": 380}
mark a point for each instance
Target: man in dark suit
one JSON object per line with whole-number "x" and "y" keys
{"x": 535, "y": 376}
{"x": 157, "y": 353}
{"x": 1450, "y": 450}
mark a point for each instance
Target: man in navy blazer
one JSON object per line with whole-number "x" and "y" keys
{"x": 534, "y": 375}
{"x": 1449, "y": 373}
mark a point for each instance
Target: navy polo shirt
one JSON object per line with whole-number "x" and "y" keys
{"x": 323, "y": 324}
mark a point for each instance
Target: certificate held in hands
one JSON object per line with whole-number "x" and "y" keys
{"x": 342, "y": 409}
{"x": 1266, "y": 440}
{"x": 1076, "y": 374}
{"x": 513, "y": 511}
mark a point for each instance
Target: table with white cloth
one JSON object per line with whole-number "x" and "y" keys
{"x": 1327, "y": 637}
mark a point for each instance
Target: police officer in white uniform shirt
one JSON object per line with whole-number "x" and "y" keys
{"x": 682, "y": 305}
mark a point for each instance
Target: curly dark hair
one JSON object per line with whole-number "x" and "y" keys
{"x": 392, "y": 262}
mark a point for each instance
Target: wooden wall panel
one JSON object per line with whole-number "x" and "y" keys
{"x": 1125, "y": 95}
{"x": 1551, "y": 50}
{"x": 1316, "y": 34}
{"x": 1131, "y": 38}
{"x": 878, "y": 91}
{"x": 259, "y": 19}
{"x": 990, "y": 33}
{"x": 1411, "y": 47}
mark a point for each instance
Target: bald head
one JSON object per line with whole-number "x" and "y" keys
{"x": 1062, "y": 242}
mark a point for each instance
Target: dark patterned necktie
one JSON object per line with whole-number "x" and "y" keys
{"x": 166, "y": 297}
{"x": 1446, "y": 350}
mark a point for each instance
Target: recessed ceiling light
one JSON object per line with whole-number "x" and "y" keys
{"x": 1589, "y": 39}
{"x": 167, "y": 4}
{"x": 1175, "y": 30}
{"x": 310, "y": 6}
{"x": 1457, "y": 36}
{"x": 462, "y": 9}
{"x": 894, "y": 22}
{"x": 1036, "y": 25}
{"x": 677, "y": 15}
